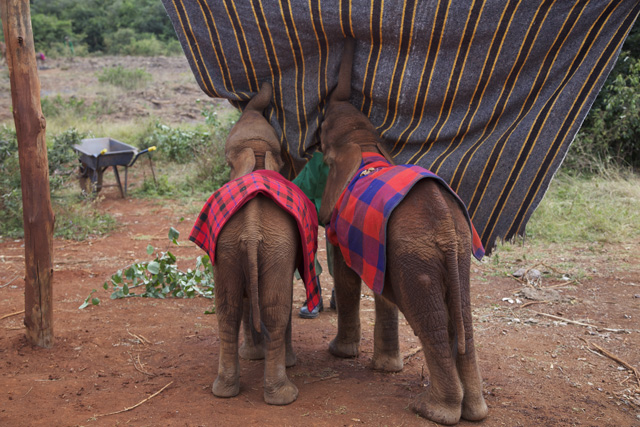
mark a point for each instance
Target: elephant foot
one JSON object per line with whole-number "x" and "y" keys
{"x": 427, "y": 406}
{"x": 251, "y": 352}
{"x": 290, "y": 358}
{"x": 225, "y": 387}
{"x": 474, "y": 408}
{"x": 344, "y": 349}
{"x": 387, "y": 363}
{"x": 281, "y": 394}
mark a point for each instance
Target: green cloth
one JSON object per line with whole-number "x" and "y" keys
{"x": 312, "y": 179}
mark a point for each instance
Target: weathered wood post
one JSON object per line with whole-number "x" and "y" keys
{"x": 34, "y": 171}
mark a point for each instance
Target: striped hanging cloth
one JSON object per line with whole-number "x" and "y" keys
{"x": 486, "y": 94}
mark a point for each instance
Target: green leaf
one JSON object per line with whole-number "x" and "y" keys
{"x": 173, "y": 235}
{"x": 150, "y": 249}
{"x": 153, "y": 267}
{"x": 89, "y": 300}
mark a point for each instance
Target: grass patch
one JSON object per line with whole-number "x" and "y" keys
{"x": 597, "y": 209}
{"x": 125, "y": 78}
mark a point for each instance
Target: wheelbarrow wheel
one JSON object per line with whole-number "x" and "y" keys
{"x": 86, "y": 180}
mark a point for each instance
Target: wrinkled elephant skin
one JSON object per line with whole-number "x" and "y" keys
{"x": 257, "y": 252}
{"x": 428, "y": 267}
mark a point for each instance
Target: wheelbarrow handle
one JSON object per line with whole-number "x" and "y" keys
{"x": 146, "y": 150}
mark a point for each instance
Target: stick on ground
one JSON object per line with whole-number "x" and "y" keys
{"x": 12, "y": 314}
{"x": 563, "y": 319}
{"x": 137, "y": 404}
{"x": 617, "y": 359}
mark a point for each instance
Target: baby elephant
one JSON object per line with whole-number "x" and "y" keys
{"x": 408, "y": 236}
{"x": 257, "y": 229}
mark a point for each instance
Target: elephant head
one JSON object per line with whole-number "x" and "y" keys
{"x": 344, "y": 134}
{"x": 252, "y": 142}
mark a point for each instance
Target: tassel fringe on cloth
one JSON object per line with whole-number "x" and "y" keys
{"x": 486, "y": 94}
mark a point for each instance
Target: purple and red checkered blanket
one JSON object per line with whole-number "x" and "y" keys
{"x": 227, "y": 200}
{"x": 359, "y": 221}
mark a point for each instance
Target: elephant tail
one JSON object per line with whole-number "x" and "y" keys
{"x": 342, "y": 91}
{"x": 262, "y": 99}
{"x": 259, "y": 327}
{"x": 456, "y": 297}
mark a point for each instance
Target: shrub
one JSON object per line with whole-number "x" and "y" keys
{"x": 125, "y": 78}
{"x": 175, "y": 144}
{"x": 48, "y": 29}
{"x": 10, "y": 193}
{"x": 610, "y": 134}
{"x": 74, "y": 220}
{"x": 57, "y": 105}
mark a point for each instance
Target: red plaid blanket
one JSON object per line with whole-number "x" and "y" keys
{"x": 359, "y": 221}
{"x": 232, "y": 196}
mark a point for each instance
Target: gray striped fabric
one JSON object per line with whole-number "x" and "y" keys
{"x": 487, "y": 94}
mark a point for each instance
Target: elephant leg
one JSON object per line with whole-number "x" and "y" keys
{"x": 278, "y": 389}
{"x": 386, "y": 347}
{"x": 347, "y": 287}
{"x": 428, "y": 316}
{"x": 474, "y": 408}
{"x": 290, "y": 358}
{"x": 249, "y": 350}
{"x": 229, "y": 313}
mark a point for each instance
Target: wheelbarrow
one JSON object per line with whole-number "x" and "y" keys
{"x": 98, "y": 154}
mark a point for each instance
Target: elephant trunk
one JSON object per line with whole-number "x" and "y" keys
{"x": 342, "y": 91}
{"x": 261, "y": 100}
{"x": 456, "y": 297}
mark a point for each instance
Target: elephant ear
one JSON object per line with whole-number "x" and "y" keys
{"x": 343, "y": 164}
{"x": 242, "y": 163}
{"x": 385, "y": 153}
{"x": 273, "y": 162}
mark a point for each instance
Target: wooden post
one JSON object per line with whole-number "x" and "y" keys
{"x": 34, "y": 171}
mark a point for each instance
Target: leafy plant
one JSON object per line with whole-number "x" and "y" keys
{"x": 609, "y": 136}
{"x": 175, "y": 144}
{"x": 125, "y": 78}
{"x": 161, "y": 278}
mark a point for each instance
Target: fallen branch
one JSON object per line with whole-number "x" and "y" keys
{"x": 617, "y": 359}
{"x": 616, "y": 331}
{"x": 526, "y": 304}
{"x": 137, "y": 404}
{"x": 12, "y": 314}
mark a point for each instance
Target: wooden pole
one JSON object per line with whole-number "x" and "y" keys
{"x": 34, "y": 171}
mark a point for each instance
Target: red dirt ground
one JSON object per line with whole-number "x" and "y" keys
{"x": 537, "y": 370}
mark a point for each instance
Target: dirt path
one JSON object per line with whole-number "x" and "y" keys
{"x": 537, "y": 370}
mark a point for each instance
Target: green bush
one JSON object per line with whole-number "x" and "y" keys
{"x": 10, "y": 192}
{"x": 125, "y": 78}
{"x": 175, "y": 144}
{"x": 57, "y": 105}
{"x": 610, "y": 134}
{"x": 126, "y": 41}
{"x": 75, "y": 218}
{"x": 63, "y": 160}
{"x": 48, "y": 29}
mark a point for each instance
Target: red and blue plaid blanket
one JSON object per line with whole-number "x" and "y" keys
{"x": 232, "y": 196}
{"x": 359, "y": 221}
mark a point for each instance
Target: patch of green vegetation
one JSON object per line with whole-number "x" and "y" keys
{"x": 596, "y": 209}
{"x": 76, "y": 217}
{"x": 161, "y": 278}
{"x": 125, "y": 78}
